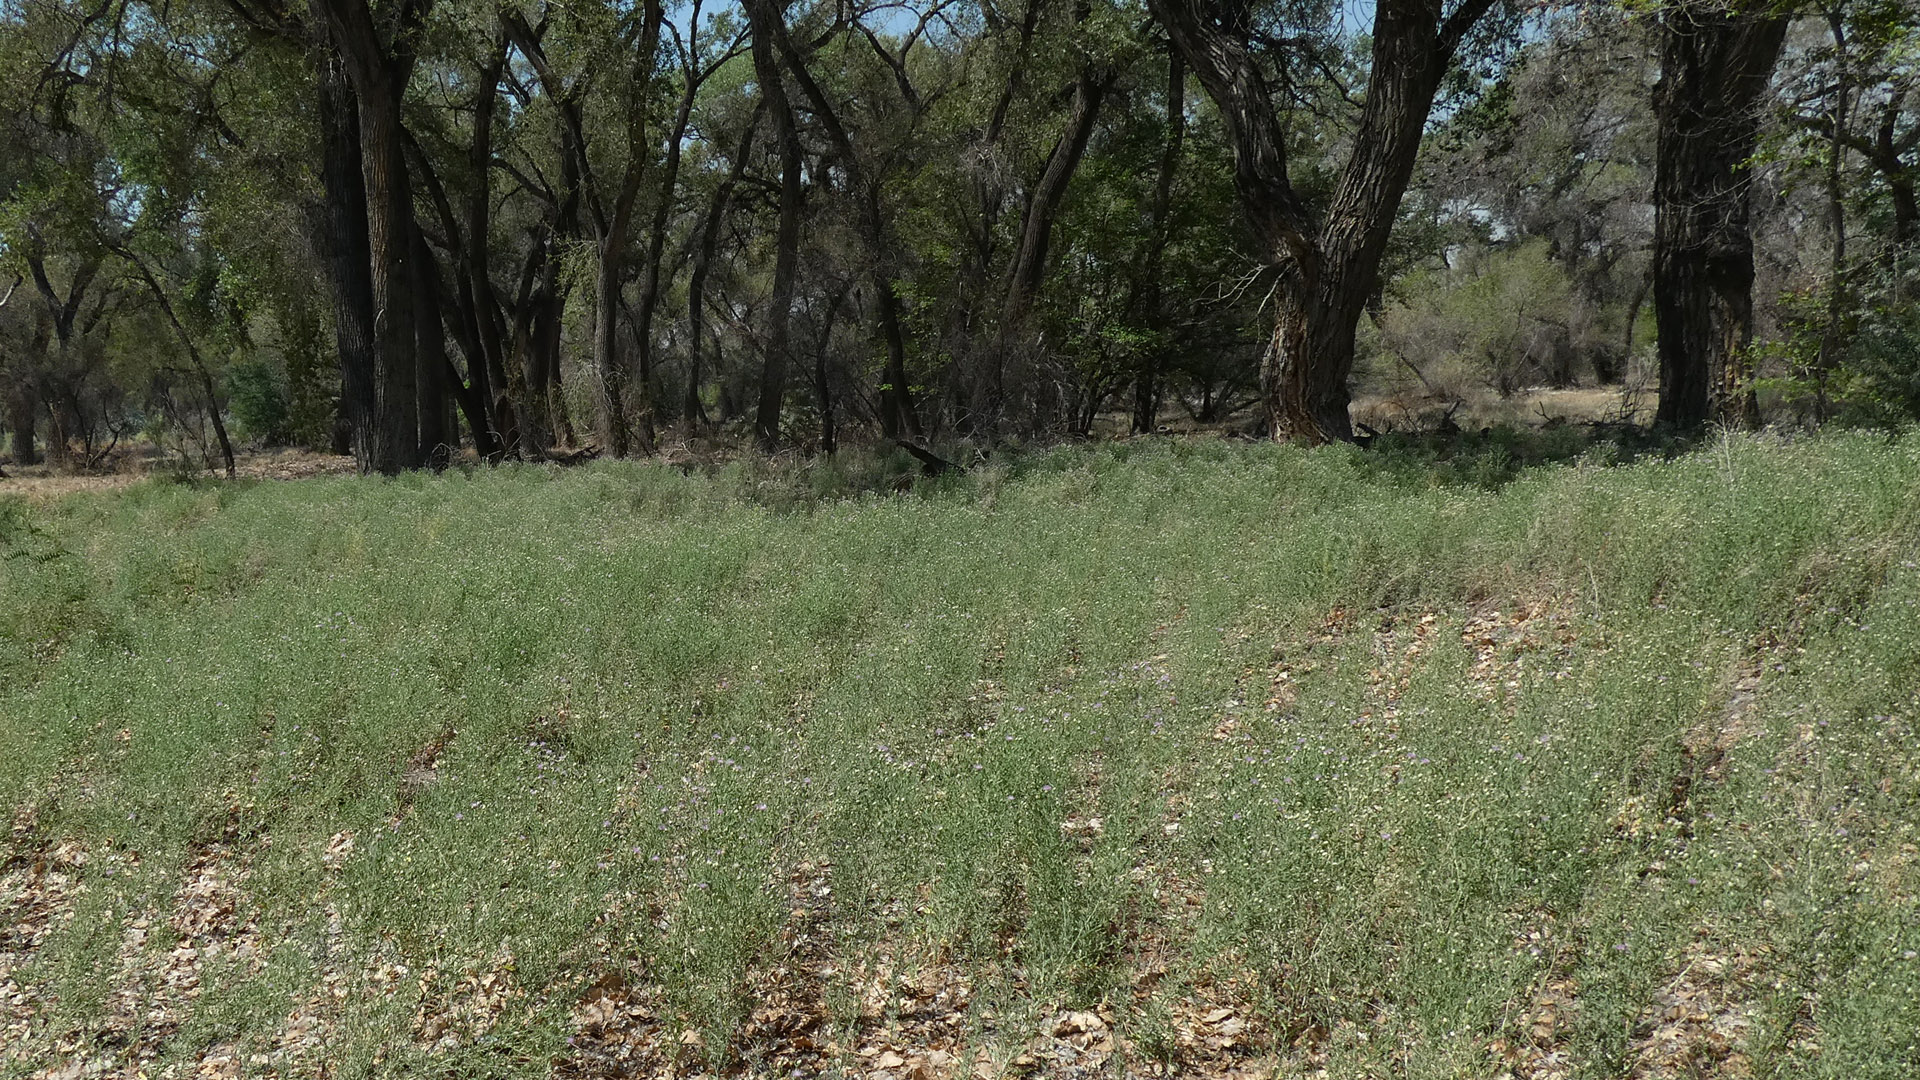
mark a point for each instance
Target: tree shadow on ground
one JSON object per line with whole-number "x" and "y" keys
{"x": 1492, "y": 457}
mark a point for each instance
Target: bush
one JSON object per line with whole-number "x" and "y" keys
{"x": 1872, "y": 379}
{"x": 257, "y": 399}
{"x": 1505, "y": 320}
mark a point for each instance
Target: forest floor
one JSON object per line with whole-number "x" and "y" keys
{"x": 1158, "y": 758}
{"x": 42, "y": 482}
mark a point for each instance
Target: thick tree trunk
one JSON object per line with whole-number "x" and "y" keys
{"x": 379, "y": 69}
{"x": 610, "y": 372}
{"x": 1303, "y": 376}
{"x": 431, "y": 366}
{"x": 1906, "y": 207}
{"x": 764, "y": 18}
{"x": 390, "y": 227}
{"x": 1716, "y": 60}
{"x": 340, "y": 236}
{"x": 1327, "y": 265}
{"x": 22, "y": 406}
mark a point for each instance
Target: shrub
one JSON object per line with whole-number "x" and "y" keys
{"x": 257, "y": 398}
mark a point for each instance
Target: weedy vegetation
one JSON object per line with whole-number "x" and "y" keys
{"x": 1145, "y": 759}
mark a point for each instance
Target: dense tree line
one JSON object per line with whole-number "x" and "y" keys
{"x": 411, "y": 227}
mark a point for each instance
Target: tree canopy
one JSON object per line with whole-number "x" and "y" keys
{"x": 412, "y": 229}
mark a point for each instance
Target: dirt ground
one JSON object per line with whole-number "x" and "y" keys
{"x": 1533, "y": 407}
{"x": 45, "y": 481}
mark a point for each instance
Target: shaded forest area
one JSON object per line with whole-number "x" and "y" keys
{"x": 416, "y": 229}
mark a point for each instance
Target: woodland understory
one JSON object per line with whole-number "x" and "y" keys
{"x": 427, "y": 229}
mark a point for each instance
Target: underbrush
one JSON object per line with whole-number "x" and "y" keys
{"x": 1195, "y": 757}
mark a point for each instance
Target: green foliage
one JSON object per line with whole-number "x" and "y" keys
{"x": 257, "y": 397}
{"x": 1370, "y": 752}
{"x": 1872, "y": 378}
{"x": 1504, "y": 319}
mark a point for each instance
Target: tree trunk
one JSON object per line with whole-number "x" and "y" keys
{"x": 1715, "y": 63}
{"x": 1833, "y": 337}
{"x": 22, "y": 404}
{"x": 1146, "y": 379}
{"x": 650, "y": 280}
{"x": 526, "y": 378}
{"x": 898, "y": 418}
{"x": 54, "y": 336}
{"x": 1303, "y": 376}
{"x": 1906, "y": 207}
{"x": 764, "y": 19}
{"x": 823, "y": 386}
{"x": 1029, "y": 265}
{"x": 431, "y": 365}
{"x": 486, "y": 365}
{"x": 611, "y": 373}
{"x": 379, "y": 71}
{"x": 340, "y": 228}
{"x": 1327, "y": 266}
{"x": 390, "y": 228}
{"x": 1886, "y": 154}
{"x": 1043, "y": 202}
{"x": 709, "y": 241}
{"x": 450, "y": 309}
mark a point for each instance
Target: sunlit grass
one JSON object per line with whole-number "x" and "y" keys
{"x": 536, "y": 726}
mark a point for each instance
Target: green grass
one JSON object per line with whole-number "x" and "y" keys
{"x": 611, "y": 719}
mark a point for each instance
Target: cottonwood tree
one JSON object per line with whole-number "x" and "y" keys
{"x": 1716, "y": 57}
{"x": 1326, "y": 259}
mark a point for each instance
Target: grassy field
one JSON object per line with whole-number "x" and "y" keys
{"x": 1185, "y": 759}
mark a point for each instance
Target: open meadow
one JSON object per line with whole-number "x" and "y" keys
{"x": 1146, "y": 759}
